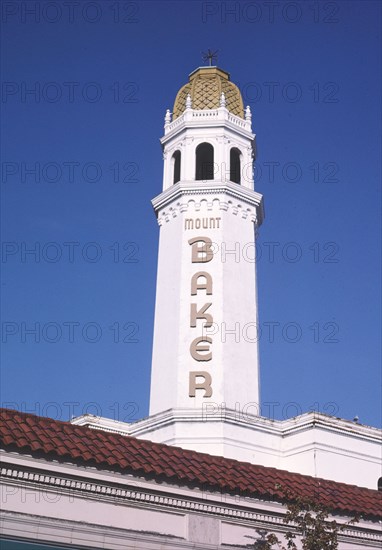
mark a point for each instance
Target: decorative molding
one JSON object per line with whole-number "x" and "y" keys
{"x": 75, "y": 486}
{"x": 114, "y": 492}
{"x": 183, "y": 194}
{"x": 236, "y": 209}
{"x": 284, "y": 428}
{"x": 194, "y": 118}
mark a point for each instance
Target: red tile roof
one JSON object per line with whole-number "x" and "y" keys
{"x": 54, "y": 439}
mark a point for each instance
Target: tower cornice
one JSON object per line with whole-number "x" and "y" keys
{"x": 182, "y": 191}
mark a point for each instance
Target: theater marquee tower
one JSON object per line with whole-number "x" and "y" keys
{"x": 205, "y": 352}
{"x": 205, "y": 367}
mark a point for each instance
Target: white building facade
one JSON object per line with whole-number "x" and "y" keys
{"x": 71, "y": 486}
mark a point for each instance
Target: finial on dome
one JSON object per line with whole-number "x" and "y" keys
{"x": 188, "y": 102}
{"x": 222, "y": 100}
{"x": 167, "y": 118}
{"x": 248, "y": 114}
{"x": 210, "y": 56}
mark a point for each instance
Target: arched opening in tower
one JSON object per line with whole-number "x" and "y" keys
{"x": 176, "y": 166}
{"x": 234, "y": 165}
{"x": 204, "y": 162}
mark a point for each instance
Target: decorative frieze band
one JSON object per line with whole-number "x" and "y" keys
{"x": 77, "y": 487}
{"x": 205, "y": 196}
{"x": 214, "y": 203}
{"x": 72, "y": 487}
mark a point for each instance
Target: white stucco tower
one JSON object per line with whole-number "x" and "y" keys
{"x": 205, "y": 351}
{"x": 205, "y": 367}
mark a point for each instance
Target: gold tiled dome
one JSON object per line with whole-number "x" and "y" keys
{"x": 205, "y": 88}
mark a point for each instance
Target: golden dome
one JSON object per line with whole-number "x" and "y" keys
{"x": 205, "y": 88}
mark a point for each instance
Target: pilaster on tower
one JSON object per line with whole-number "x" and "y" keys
{"x": 205, "y": 351}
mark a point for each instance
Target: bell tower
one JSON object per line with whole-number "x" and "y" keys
{"x": 205, "y": 351}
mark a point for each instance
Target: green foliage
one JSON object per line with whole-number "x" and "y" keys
{"x": 311, "y": 526}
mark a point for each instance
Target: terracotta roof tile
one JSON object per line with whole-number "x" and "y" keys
{"x": 30, "y": 433}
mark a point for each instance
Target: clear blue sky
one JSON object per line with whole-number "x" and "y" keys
{"x": 104, "y": 73}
